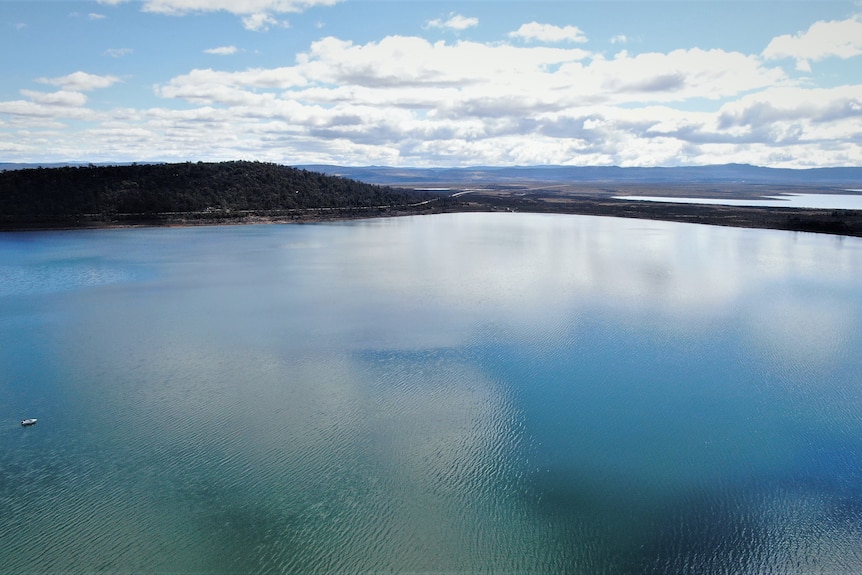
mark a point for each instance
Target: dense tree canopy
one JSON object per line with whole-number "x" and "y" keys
{"x": 152, "y": 189}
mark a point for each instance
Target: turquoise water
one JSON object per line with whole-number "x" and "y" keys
{"x": 464, "y": 393}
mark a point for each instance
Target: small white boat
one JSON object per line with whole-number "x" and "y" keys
{"x": 26, "y": 422}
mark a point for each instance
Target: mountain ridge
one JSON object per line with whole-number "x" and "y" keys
{"x": 392, "y": 175}
{"x": 739, "y": 173}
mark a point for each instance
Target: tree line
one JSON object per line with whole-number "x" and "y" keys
{"x": 153, "y": 189}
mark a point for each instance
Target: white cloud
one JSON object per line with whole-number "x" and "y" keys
{"x": 824, "y": 113}
{"x": 257, "y": 15}
{"x": 291, "y": 127}
{"x": 619, "y": 39}
{"x": 409, "y": 61}
{"x": 61, "y": 98}
{"x": 111, "y": 2}
{"x": 81, "y": 81}
{"x": 682, "y": 74}
{"x": 222, "y": 50}
{"x": 214, "y": 87}
{"x": 238, "y": 7}
{"x": 405, "y": 100}
{"x": 454, "y": 22}
{"x": 35, "y": 115}
{"x": 261, "y": 22}
{"x": 841, "y": 39}
{"x": 549, "y": 33}
{"x": 118, "y": 52}
{"x": 96, "y": 16}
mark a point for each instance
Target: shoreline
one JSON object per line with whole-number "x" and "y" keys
{"x": 815, "y": 220}
{"x": 835, "y": 222}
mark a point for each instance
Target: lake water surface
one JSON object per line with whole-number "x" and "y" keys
{"x": 464, "y": 393}
{"x": 852, "y": 200}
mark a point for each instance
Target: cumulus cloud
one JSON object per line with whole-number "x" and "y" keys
{"x": 409, "y": 61}
{"x": 454, "y": 22}
{"x": 60, "y": 98}
{"x": 215, "y": 87}
{"x": 34, "y": 115}
{"x": 407, "y": 100}
{"x": 684, "y": 74}
{"x": 273, "y": 127}
{"x": 548, "y": 33}
{"x": 81, "y": 81}
{"x": 811, "y": 109}
{"x": 222, "y": 50}
{"x": 261, "y": 21}
{"x": 841, "y": 39}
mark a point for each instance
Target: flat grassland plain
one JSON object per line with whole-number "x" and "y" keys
{"x": 603, "y": 199}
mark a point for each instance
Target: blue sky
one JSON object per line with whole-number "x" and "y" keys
{"x": 433, "y": 83}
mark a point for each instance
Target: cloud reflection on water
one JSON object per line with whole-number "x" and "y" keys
{"x": 539, "y": 272}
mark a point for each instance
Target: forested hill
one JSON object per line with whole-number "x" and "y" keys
{"x": 150, "y": 190}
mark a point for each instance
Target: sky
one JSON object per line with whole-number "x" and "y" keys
{"x": 433, "y": 83}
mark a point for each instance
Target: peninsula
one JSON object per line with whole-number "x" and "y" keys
{"x": 254, "y": 192}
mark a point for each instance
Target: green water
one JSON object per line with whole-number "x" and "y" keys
{"x": 468, "y": 393}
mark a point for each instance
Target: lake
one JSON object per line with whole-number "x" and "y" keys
{"x": 461, "y": 393}
{"x": 852, "y": 200}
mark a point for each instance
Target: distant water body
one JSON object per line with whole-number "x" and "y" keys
{"x": 464, "y": 393}
{"x": 849, "y": 201}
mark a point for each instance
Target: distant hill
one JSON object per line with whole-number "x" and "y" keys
{"x": 149, "y": 190}
{"x": 386, "y": 175}
{"x": 737, "y": 173}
